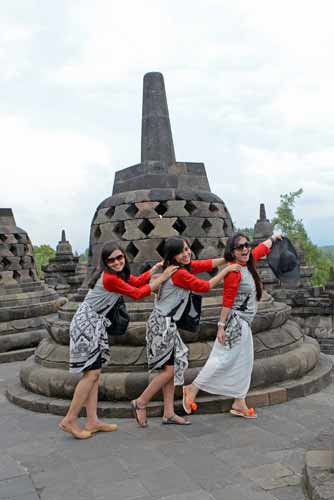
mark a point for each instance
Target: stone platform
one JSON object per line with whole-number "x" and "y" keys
{"x": 313, "y": 381}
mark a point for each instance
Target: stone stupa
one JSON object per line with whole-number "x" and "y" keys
{"x": 25, "y": 302}
{"x": 151, "y": 201}
{"x": 64, "y": 272}
{"x": 311, "y": 306}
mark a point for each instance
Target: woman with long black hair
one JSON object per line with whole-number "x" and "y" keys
{"x": 89, "y": 346}
{"x": 229, "y": 367}
{"x": 165, "y": 348}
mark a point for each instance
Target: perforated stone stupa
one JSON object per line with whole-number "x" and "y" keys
{"x": 151, "y": 201}
{"x": 159, "y": 197}
{"x": 25, "y": 302}
{"x": 64, "y": 272}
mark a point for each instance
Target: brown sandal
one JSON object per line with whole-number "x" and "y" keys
{"x": 135, "y": 409}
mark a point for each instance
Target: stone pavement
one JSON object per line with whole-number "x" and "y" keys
{"x": 219, "y": 457}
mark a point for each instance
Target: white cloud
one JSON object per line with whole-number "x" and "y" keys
{"x": 47, "y": 178}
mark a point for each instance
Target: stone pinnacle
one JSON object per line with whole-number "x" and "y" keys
{"x": 156, "y": 140}
{"x": 63, "y": 237}
{"x": 7, "y": 217}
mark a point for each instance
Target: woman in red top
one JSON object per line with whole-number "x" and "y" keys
{"x": 89, "y": 346}
{"x": 165, "y": 348}
{"x": 229, "y": 367}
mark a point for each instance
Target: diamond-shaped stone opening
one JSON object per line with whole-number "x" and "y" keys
{"x": 161, "y": 208}
{"x": 6, "y": 262}
{"x": 3, "y": 237}
{"x": 206, "y": 225}
{"x": 146, "y": 226}
{"x": 190, "y": 207}
{"x": 119, "y": 229}
{"x": 213, "y": 208}
{"x": 132, "y": 210}
{"x": 32, "y": 274}
{"x": 16, "y": 275}
{"x": 221, "y": 245}
{"x": 179, "y": 226}
{"x": 13, "y": 249}
{"x": 161, "y": 248}
{"x": 97, "y": 232}
{"x": 131, "y": 251}
{"x": 196, "y": 247}
{"x": 110, "y": 212}
{"x": 225, "y": 226}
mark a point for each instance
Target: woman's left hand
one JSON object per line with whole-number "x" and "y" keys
{"x": 157, "y": 267}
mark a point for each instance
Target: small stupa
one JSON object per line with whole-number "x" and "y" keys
{"x": 25, "y": 302}
{"x": 64, "y": 272}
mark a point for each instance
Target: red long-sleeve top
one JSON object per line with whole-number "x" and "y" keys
{"x": 186, "y": 279}
{"x": 232, "y": 280}
{"x": 136, "y": 287}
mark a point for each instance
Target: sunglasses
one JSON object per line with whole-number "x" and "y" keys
{"x": 118, "y": 258}
{"x": 241, "y": 246}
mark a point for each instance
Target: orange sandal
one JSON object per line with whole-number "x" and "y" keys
{"x": 250, "y": 413}
{"x": 188, "y": 404}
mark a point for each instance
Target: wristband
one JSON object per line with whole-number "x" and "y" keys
{"x": 221, "y": 323}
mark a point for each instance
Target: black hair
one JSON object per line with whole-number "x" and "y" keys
{"x": 103, "y": 267}
{"x": 229, "y": 256}
{"x": 172, "y": 247}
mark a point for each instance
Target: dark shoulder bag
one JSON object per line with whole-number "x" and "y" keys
{"x": 190, "y": 319}
{"x": 119, "y": 318}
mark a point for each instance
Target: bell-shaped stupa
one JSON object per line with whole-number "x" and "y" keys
{"x": 25, "y": 302}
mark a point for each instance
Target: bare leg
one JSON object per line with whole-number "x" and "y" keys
{"x": 154, "y": 386}
{"x": 168, "y": 395}
{"x": 240, "y": 405}
{"x": 80, "y": 396}
{"x": 93, "y": 423}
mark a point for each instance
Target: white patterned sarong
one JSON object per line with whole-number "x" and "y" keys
{"x": 88, "y": 338}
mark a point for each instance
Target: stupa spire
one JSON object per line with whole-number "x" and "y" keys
{"x": 156, "y": 138}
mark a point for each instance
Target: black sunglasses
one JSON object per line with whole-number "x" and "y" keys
{"x": 119, "y": 257}
{"x": 241, "y": 246}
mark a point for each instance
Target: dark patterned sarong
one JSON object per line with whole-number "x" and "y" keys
{"x": 163, "y": 340}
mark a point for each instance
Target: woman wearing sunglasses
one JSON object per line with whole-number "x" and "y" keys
{"x": 229, "y": 367}
{"x": 165, "y": 348}
{"x": 89, "y": 346}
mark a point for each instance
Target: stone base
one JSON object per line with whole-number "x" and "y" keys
{"x": 319, "y": 474}
{"x": 17, "y": 355}
{"x": 313, "y": 381}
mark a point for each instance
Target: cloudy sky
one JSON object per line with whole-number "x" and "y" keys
{"x": 249, "y": 87}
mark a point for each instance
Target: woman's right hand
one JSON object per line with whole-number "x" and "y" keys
{"x": 221, "y": 334}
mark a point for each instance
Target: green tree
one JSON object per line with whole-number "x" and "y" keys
{"x": 42, "y": 255}
{"x": 296, "y": 232}
{"x": 83, "y": 258}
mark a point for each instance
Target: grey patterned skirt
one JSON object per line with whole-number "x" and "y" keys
{"x": 163, "y": 340}
{"x": 88, "y": 339}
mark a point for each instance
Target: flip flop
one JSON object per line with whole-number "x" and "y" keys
{"x": 172, "y": 421}
{"x": 250, "y": 413}
{"x": 192, "y": 404}
{"x": 135, "y": 408}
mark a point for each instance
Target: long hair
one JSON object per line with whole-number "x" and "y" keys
{"x": 103, "y": 267}
{"x": 229, "y": 257}
{"x": 173, "y": 246}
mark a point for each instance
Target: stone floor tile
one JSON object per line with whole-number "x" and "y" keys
{"x": 131, "y": 489}
{"x": 167, "y": 481}
{"x": 271, "y": 476}
{"x": 235, "y": 492}
{"x": 14, "y": 487}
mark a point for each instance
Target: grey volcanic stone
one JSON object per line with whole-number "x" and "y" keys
{"x": 25, "y": 302}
